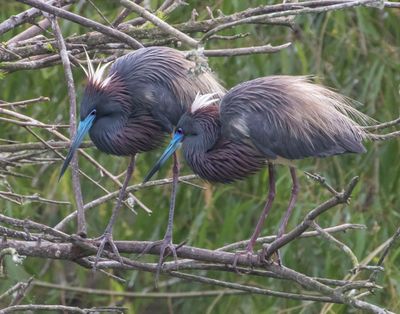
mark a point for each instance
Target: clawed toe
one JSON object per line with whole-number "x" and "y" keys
{"x": 104, "y": 239}
{"x": 248, "y": 253}
{"x": 166, "y": 248}
{"x": 274, "y": 257}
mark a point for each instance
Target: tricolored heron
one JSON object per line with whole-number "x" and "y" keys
{"x": 275, "y": 119}
{"x": 132, "y": 108}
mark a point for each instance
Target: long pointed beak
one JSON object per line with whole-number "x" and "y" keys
{"x": 172, "y": 147}
{"x": 83, "y": 128}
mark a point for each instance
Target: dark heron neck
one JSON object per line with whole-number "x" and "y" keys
{"x": 214, "y": 157}
{"x": 128, "y": 127}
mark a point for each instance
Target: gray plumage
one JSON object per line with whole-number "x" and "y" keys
{"x": 274, "y": 118}
{"x": 289, "y": 117}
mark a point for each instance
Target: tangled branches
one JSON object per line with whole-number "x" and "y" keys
{"x": 34, "y": 49}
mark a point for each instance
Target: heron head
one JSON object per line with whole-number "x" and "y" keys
{"x": 101, "y": 98}
{"x": 197, "y": 129}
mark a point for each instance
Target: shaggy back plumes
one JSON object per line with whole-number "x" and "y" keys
{"x": 290, "y": 117}
{"x": 167, "y": 68}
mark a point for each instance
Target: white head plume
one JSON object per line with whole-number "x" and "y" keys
{"x": 202, "y": 101}
{"x": 96, "y": 76}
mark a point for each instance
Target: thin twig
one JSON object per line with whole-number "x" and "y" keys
{"x": 339, "y": 244}
{"x": 160, "y": 23}
{"x": 76, "y": 185}
{"x": 25, "y": 102}
{"x": 141, "y": 295}
{"x": 245, "y": 50}
{"x": 12, "y": 148}
{"x": 85, "y": 22}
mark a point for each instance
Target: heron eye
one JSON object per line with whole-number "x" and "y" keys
{"x": 179, "y": 131}
{"x": 93, "y": 112}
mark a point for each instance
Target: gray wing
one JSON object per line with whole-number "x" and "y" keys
{"x": 289, "y": 117}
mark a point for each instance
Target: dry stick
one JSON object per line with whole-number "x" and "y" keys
{"x": 334, "y": 298}
{"x": 101, "y": 14}
{"x": 166, "y": 8}
{"x": 141, "y": 295}
{"x": 30, "y": 65}
{"x": 121, "y": 16}
{"x": 18, "y": 286}
{"x": 15, "y": 55}
{"x": 38, "y": 308}
{"x": 160, "y": 23}
{"x": 53, "y": 60}
{"x": 85, "y": 22}
{"x": 94, "y": 39}
{"x": 12, "y": 148}
{"x": 20, "y": 18}
{"x": 255, "y": 290}
{"x": 76, "y": 185}
{"x": 350, "y": 277}
{"x": 269, "y": 239}
{"x": 46, "y": 126}
{"x": 25, "y": 102}
{"x": 285, "y": 272}
{"x": 21, "y": 293}
{"x": 390, "y": 4}
{"x": 339, "y": 244}
{"x": 384, "y": 137}
{"x": 240, "y": 287}
{"x": 331, "y": 295}
{"x": 29, "y": 224}
{"x": 62, "y": 224}
{"x": 32, "y": 198}
{"x": 225, "y": 257}
{"x": 372, "y": 278}
{"x": 308, "y": 220}
{"x": 62, "y": 157}
{"x": 31, "y": 32}
{"x": 383, "y": 125}
{"x": 244, "y": 51}
{"x": 34, "y": 30}
{"x": 292, "y": 9}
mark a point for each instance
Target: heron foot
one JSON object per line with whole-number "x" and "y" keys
{"x": 166, "y": 248}
{"x": 104, "y": 239}
{"x": 248, "y": 253}
{"x": 275, "y": 257}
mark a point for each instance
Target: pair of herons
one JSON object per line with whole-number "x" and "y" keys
{"x": 225, "y": 136}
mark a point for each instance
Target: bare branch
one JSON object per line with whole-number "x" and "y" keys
{"x": 76, "y": 185}
{"x": 12, "y": 148}
{"x": 160, "y": 23}
{"x": 24, "y": 102}
{"x": 245, "y": 50}
{"x": 85, "y": 22}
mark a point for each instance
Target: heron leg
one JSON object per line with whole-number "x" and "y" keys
{"x": 107, "y": 235}
{"x": 267, "y": 207}
{"x": 166, "y": 244}
{"x": 271, "y": 196}
{"x": 292, "y": 203}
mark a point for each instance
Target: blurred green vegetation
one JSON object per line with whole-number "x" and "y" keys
{"x": 354, "y": 51}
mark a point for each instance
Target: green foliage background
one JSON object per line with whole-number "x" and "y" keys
{"x": 354, "y": 51}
